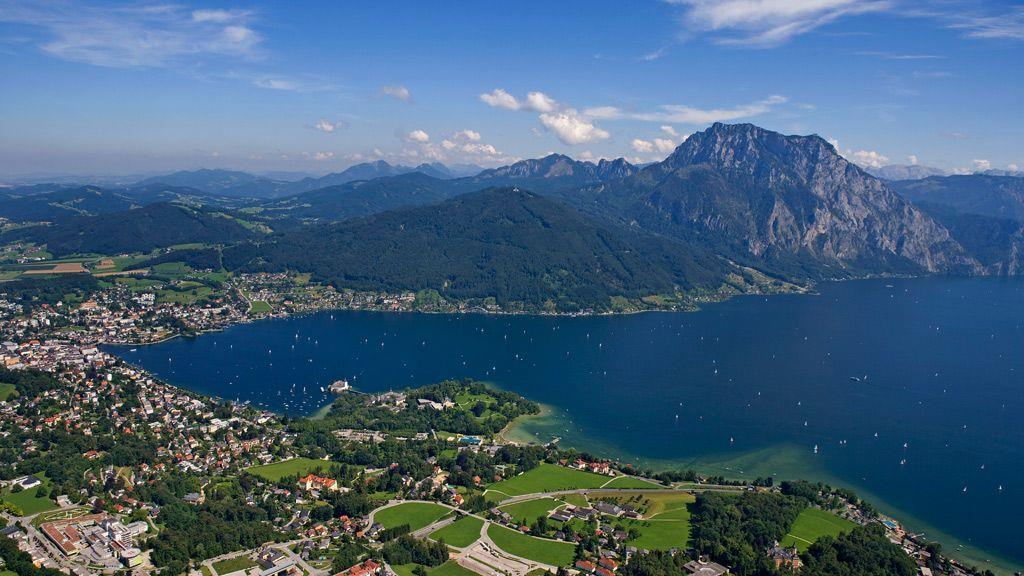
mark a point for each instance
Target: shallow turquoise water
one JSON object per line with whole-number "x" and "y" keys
{"x": 912, "y": 390}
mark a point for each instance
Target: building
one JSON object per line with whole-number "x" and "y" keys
{"x": 319, "y": 483}
{"x": 705, "y": 568}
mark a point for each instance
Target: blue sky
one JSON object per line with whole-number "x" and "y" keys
{"x": 106, "y": 88}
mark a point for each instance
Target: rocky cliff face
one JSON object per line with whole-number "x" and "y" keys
{"x": 784, "y": 198}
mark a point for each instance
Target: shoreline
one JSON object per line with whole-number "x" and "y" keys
{"x": 791, "y": 466}
{"x": 732, "y": 467}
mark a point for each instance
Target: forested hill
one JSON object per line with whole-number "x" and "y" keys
{"x": 141, "y": 230}
{"x": 515, "y": 246}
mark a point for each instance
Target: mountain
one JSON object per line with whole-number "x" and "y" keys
{"x": 981, "y": 194}
{"x": 790, "y": 204}
{"x": 92, "y": 200}
{"x": 521, "y": 248}
{"x": 427, "y": 184}
{"x": 363, "y": 197}
{"x": 996, "y": 243}
{"x": 222, "y": 182}
{"x": 554, "y": 171}
{"x": 368, "y": 171}
{"x": 140, "y": 230}
{"x": 904, "y": 172}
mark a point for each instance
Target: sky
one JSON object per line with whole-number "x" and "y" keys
{"x": 142, "y": 87}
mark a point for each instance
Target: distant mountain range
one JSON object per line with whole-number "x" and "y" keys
{"x": 244, "y": 185}
{"x": 729, "y": 200}
{"x": 904, "y": 171}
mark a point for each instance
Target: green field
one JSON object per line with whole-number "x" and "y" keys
{"x": 233, "y": 564}
{"x": 632, "y": 482}
{"x": 449, "y": 568}
{"x": 259, "y": 307}
{"x": 460, "y": 533}
{"x": 6, "y": 391}
{"x": 536, "y": 549}
{"x": 26, "y": 499}
{"x": 659, "y": 534}
{"x": 291, "y": 467}
{"x": 575, "y": 500}
{"x": 415, "y": 514}
{"x": 531, "y": 509}
{"x": 548, "y": 478}
{"x": 812, "y": 524}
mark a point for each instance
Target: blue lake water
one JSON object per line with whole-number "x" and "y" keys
{"x": 911, "y": 390}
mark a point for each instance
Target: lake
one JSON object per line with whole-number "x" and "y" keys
{"x": 910, "y": 391}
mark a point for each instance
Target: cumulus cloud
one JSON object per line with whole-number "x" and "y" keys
{"x": 670, "y": 131}
{"x": 567, "y": 124}
{"x": 471, "y": 135}
{"x": 572, "y": 128}
{"x": 320, "y": 156}
{"x": 417, "y": 136}
{"x": 981, "y": 165}
{"x": 643, "y": 146}
{"x": 499, "y": 98}
{"x": 137, "y": 35}
{"x": 867, "y": 158}
{"x": 767, "y": 23}
{"x": 912, "y": 160}
{"x": 1012, "y": 167}
{"x": 400, "y": 92}
{"x": 328, "y": 126}
{"x": 535, "y": 101}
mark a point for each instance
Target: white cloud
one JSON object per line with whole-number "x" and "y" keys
{"x": 535, "y": 101}
{"x": 417, "y": 136}
{"x": 643, "y": 146}
{"x": 1012, "y": 167}
{"x": 867, "y": 158}
{"x": 981, "y": 165}
{"x": 328, "y": 126}
{"x": 604, "y": 112}
{"x": 766, "y": 23}
{"x": 912, "y": 160}
{"x": 400, "y": 92}
{"x": 539, "y": 102}
{"x": 471, "y": 135}
{"x": 320, "y": 156}
{"x": 499, "y": 98}
{"x": 572, "y": 128}
{"x": 664, "y": 145}
{"x": 137, "y": 35}
{"x": 670, "y": 131}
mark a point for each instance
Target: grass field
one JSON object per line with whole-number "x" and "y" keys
{"x": 259, "y": 307}
{"x": 812, "y": 524}
{"x": 548, "y": 478}
{"x": 632, "y": 482}
{"x": 537, "y": 549}
{"x": 27, "y": 501}
{"x": 659, "y": 534}
{"x": 6, "y": 391}
{"x": 575, "y": 500}
{"x": 531, "y": 509}
{"x": 651, "y": 504}
{"x": 449, "y": 568}
{"x": 233, "y": 564}
{"x": 278, "y": 470}
{"x": 415, "y": 514}
{"x": 461, "y": 533}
